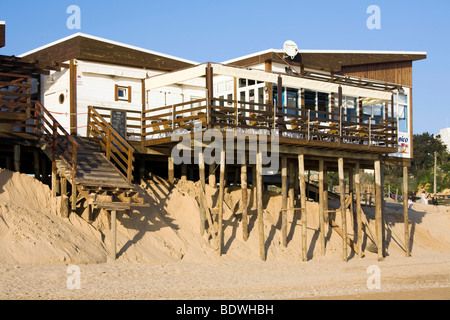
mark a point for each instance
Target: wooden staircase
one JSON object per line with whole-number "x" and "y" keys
{"x": 99, "y": 168}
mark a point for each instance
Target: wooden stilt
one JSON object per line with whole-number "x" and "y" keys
{"x": 114, "y": 234}
{"x": 36, "y": 164}
{"x": 244, "y": 201}
{"x": 63, "y": 186}
{"x": 201, "y": 169}
{"x": 291, "y": 197}
{"x": 284, "y": 193}
{"x": 343, "y": 208}
{"x": 74, "y": 195}
{"x": 9, "y": 163}
{"x": 325, "y": 198}
{"x": 259, "y": 188}
{"x": 171, "y": 171}
{"x": 359, "y": 227}
{"x": 378, "y": 210}
{"x": 254, "y": 186}
{"x": 321, "y": 206}
{"x": 54, "y": 174}
{"x": 221, "y": 198}
{"x": 302, "y": 181}
{"x": 405, "y": 211}
{"x": 17, "y": 158}
{"x": 183, "y": 171}
{"x": 212, "y": 175}
{"x": 350, "y": 194}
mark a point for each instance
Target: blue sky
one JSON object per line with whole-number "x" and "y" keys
{"x": 216, "y": 31}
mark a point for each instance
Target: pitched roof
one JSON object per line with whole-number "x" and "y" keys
{"x": 86, "y": 47}
{"x": 329, "y": 60}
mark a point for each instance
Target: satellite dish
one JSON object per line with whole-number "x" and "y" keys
{"x": 290, "y": 48}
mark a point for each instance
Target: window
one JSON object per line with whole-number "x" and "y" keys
{"x": 123, "y": 93}
{"x": 61, "y": 98}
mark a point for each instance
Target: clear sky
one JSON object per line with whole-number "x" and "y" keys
{"x": 211, "y": 30}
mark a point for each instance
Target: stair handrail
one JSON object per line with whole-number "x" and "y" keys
{"x": 117, "y": 149}
{"x": 55, "y": 136}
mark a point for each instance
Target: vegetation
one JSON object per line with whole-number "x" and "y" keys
{"x": 421, "y": 173}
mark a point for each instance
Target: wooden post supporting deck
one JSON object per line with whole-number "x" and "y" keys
{"x": 221, "y": 198}
{"x": 212, "y": 175}
{"x": 17, "y": 158}
{"x": 254, "y": 186}
{"x": 54, "y": 174}
{"x": 259, "y": 192}
{"x": 37, "y": 171}
{"x": 291, "y": 187}
{"x": 405, "y": 210}
{"x": 114, "y": 234}
{"x": 343, "y": 208}
{"x": 325, "y": 198}
{"x": 201, "y": 168}
{"x": 301, "y": 175}
{"x": 171, "y": 171}
{"x": 244, "y": 201}
{"x": 378, "y": 210}
{"x": 321, "y": 206}
{"x": 358, "y": 210}
{"x": 284, "y": 193}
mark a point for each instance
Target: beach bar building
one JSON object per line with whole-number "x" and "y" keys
{"x": 126, "y": 109}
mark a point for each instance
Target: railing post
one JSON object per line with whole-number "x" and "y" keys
{"x": 88, "y": 131}
{"x": 370, "y": 132}
{"x": 108, "y": 143}
{"x": 173, "y": 117}
{"x": 309, "y": 124}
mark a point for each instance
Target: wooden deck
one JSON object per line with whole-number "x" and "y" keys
{"x": 296, "y": 127}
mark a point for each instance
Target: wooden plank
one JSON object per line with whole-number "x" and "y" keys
{"x": 378, "y": 210}
{"x": 405, "y": 211}
{"x": 359, "y": 228}
{"x": 302, "y": 181}
{"x": 244, "y": 200}
{"x": 284, "y": 193}
{"x": 259, "y": 192}
{"x": 221, "y": 198}
{"x": 321, "y": 206}
{"x": 343, "y": 207}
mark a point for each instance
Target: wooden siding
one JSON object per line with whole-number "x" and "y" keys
{"x": 393, "y": 72}
{"x": 98, "y": 51}
{"x": 2, "y": 35}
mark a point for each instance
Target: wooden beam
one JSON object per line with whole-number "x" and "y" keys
{"x": 171, "y": 171}
{"x": 359, "y": 228}
{"x": 405, "y": 211}
{"x": 301, "y": 175}
{"x": 378, "y": 210}
{"x": 259, "y": 189}
{"x": 284, "y": 194}
{"x": 343, "y": 207}
{"x": 244, "y": 200}
{"x": 221, "y": 197}
{"x": 114, "y": 234}
{"x": 321, "y": 206}
{"x": 17, "y": 158}
{"x": 201, "y": 169}
{"x": 73, "y": 97}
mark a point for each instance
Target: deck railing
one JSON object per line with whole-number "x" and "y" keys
{"x": 289, "y": 122}
{"x": 117, "y": 149}
{"x": 62, "y": 144}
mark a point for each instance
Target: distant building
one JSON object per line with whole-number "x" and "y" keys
{"x": 445, "y": 137}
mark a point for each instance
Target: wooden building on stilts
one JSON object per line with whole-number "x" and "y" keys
{"x": 267, "y": 118}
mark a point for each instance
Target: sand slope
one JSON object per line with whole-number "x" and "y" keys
{"x": 31, "y": 231}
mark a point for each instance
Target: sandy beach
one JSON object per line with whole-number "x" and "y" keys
{"x": 162, "y": 255}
